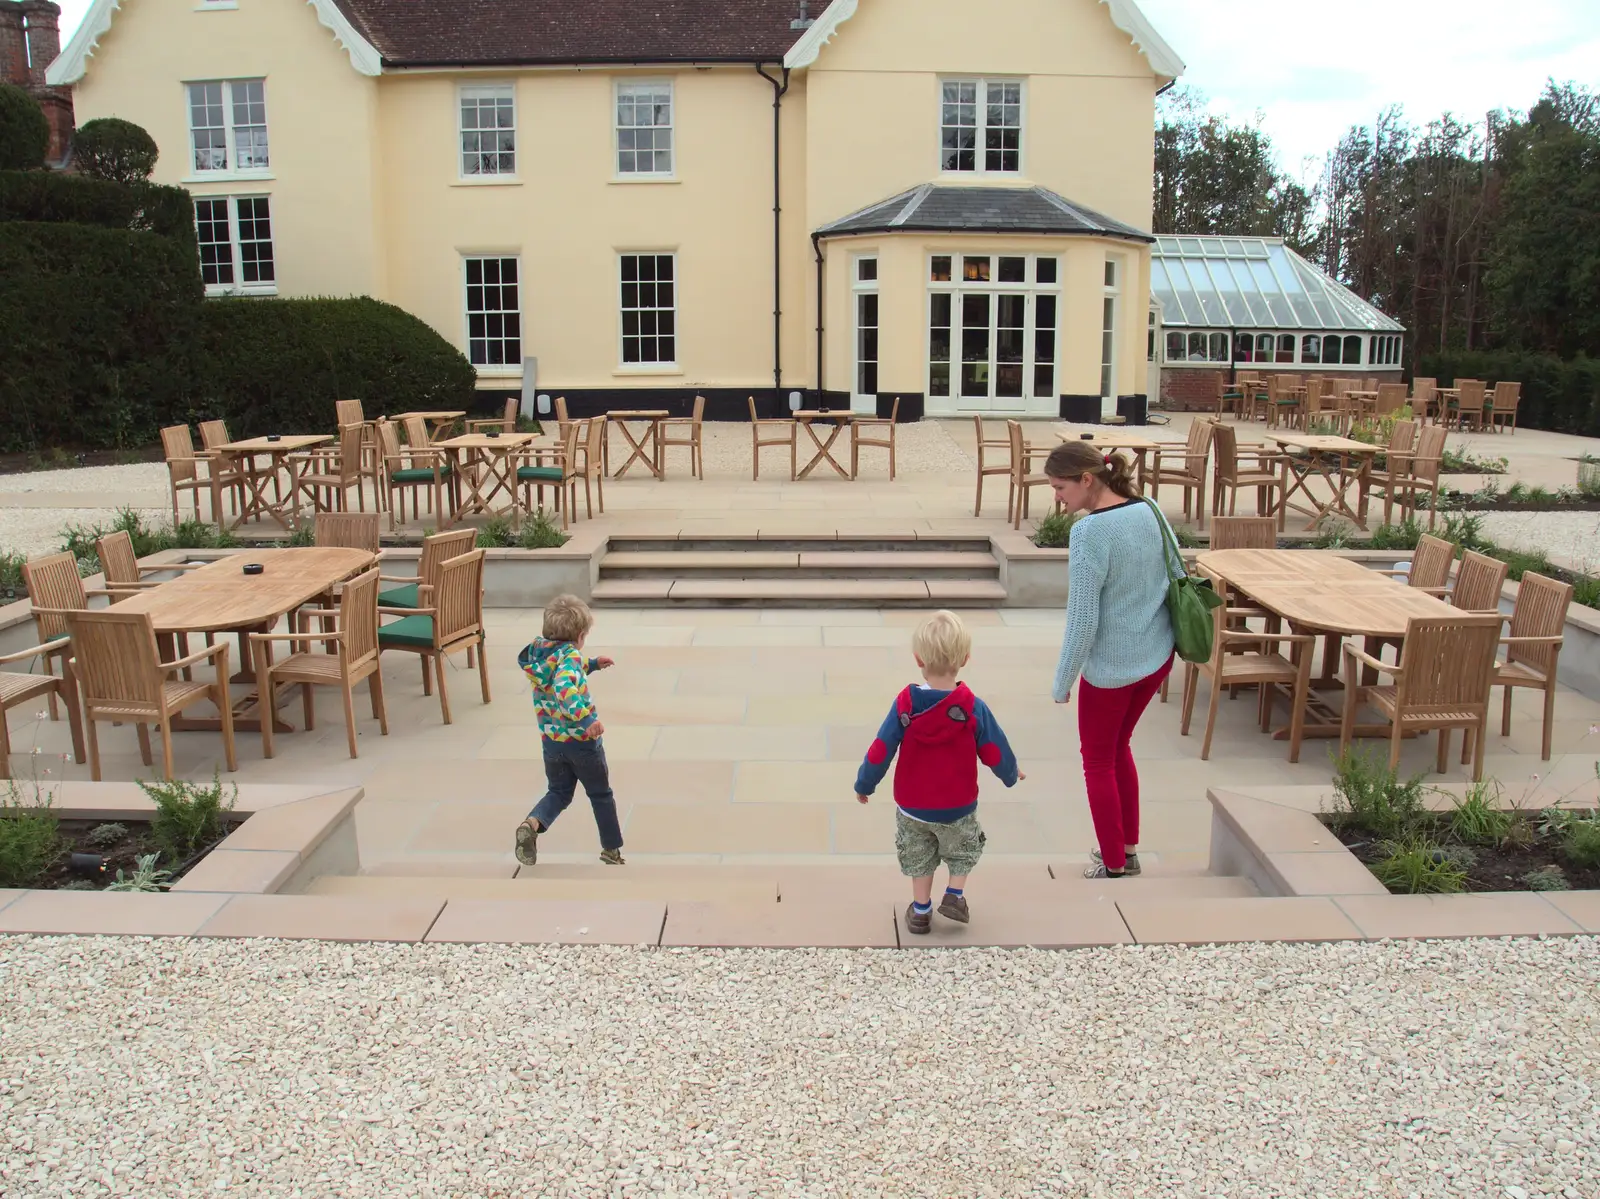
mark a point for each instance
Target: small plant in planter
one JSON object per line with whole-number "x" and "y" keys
{"x": 30, "y": 837}
{"x": 1547, "y": 878}
{"x": 540, "y": 532}
{"x": 104, "y": 835}
{"x": 1370, "y": 797}
{"x": 145, "y": 877}
{"x": 189, "y": 816}
{"x": 1476, "y": 820}
{"x": 1413, "y": 866}
{"x": 1589, "y": 476}
{"x": 1055, "y": 530}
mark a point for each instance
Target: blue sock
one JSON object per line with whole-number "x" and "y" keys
{"x": 953, "y": 892}
{"x": 922, "y": 909}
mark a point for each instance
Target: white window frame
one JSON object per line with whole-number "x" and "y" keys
{"x": 956, "y": 287}
{"x": 230, "y": 139}
{"x": 1111, "y": 291}
{"x": 493, "y": 368}
{"x": 859, "y": 287}
{"x": 483, "y": 91}
{"x": 658, "y": 367}
{"x": 618, "y": 89}
{"x": 235, "y": 243}
{"x": 979, "y": 166}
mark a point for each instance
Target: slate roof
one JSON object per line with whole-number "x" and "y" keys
{"x": 934, "y": 209}
{"x": 415, "y": 33}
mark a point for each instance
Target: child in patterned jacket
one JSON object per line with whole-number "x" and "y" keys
{"x": 569, "y": 728}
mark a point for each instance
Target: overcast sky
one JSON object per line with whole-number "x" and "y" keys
{"x": 1315, "y": 70}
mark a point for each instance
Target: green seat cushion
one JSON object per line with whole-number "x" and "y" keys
{"x": 539, "y": 474}
{"x": 399, "y": 597}
{"x": 416, "y": 631}
{"x": 418, "y": 474}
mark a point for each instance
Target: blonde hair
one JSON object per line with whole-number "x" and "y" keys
{"x": 1073, "y": 459}
{"x": 567, "y": 618}
{"x": 942, "y": 643}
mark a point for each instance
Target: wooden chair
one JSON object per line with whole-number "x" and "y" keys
{"x": 1253, "y": 394}
{"x": 1237, "y": 470}
{"x": 1244, "y": 533}
{"x": 18, "y": 688}
{"x": 121, "y": 569}
{"x": 1190, "y": 475}
{"x": 1430, "y": 565}
{"x": 1240, "y": 658}
{"x": 506, "y": 422}
{"x": 354, "y": 638}
{"x": 1467, "y": 407}
{"x": 348, "y": 412}
{"x": 194, "y": 473}
{"x": 1442, "y": 682}
{"x": 861, "y": 426}
{"x": 1538, "y": 623}
{"x": 416, "y": 591}
{"x": 54, "y": 588}
{"x": 1426, "y": 462}
{"x": 451, "y": 624}
{"x": 1479, "y": 580}
{"x": 1391, "y": 480}
{"x": 333, "y": 475}
{"x": 1503, "y": 403}
{"x": 121, "y": 677}
{"x": 1391, "y": 398}
{"x": 347, "y": 530}
{"x": 1284, "y": 400}
{"x": 413, "y": 469}
{"x": 213, "y": 436}
{"x": 668, "y": 436}
{"x": 1023, "y": 478}
{"x": 1229, "y": 397}
{"x": 536, "y": 473}
{"x": 1424, "y": 397}
{"x": 985, "y": 446}
{"x": 591, "y": 467}
{"x": 785, "y": 432}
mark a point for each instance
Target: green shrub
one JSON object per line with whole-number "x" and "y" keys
{"x": 11, "y": 585}
{"x": 1465, "y": 529}
{"x": 1580, "y": 842}
{"x": 275, "y": 366}
{"x": 496, "y": 533}
{"x": 188, "y": 816}
{"x": 304, "y": 535}
{"x": 1412, "y": 866}
{"x": 103, "y": 835}
{"x": 1477, "y": 819}
{"x": 52, "y": 198}
{"x": 115, "y": 150}
{"x": 24, "y": 130}
{"x": 540, "y": 532}
{"x": 191, "y": 534}
{"x": 1054, "y": 530}
{"x": 30, "y": 838}
{"x": 1403, "y": 536}
{"x": 1547, "y": 878}
{"x": 1372, "y": 798}
{"x": 1563, "y": 395}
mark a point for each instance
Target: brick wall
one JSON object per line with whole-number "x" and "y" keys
{"x": 31, "y": 30}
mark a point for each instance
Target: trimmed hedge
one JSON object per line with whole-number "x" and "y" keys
{"x": 277, "y": 366}
{"x": 1557, "y": 394}
{"x": 24, "y": 130}
{"x": 55, "y": 198}
{"x": 115, "y": 150}
{"x": 98, "y": 334}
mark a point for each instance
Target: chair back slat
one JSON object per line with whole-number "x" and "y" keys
{"x": 118, "y": 562}
{"x": 1225, "y": 445}
{"x": 350, "y": 438}
{"x": 1391, "y": 398}
{"x": 1478, "y": 583}
{"x": 1423, "y": 389}
{"x": 699, "y": 409}
{"x": 1431, "y": 562}
{"x": 562, "y": 419}
{"x": 1244, "y": 533}
{"x": 1506, "y": 394}
{"x": 214, "y": 433}
{"x": 439, "y": 549}
{"x": 1541, "y": 611}
{"x": 1472, "y": 392}
{"x": 1402, "y": 440}
{"x": 53, "y": 582}
{"x": 459, "y": 598}
{"x": 1019, "y": 458}
{"x": 595, "y": 438}
{"x": 389, "y": 446}
{"x": 1446, "y": 665}
{"x": 1197, "y": 447}
{"x": 117, "y": 663}
{"x": 347, "y": 530}
{"x": 1430, "y": 452}
{"x": 348, "y": 412}
{"x": 416, "y": 429}
{"x": 358, "y": 617}
{"x": 177, "y": 444}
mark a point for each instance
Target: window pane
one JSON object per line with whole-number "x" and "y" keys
{"x": 1111, "y": 272}
{"x": 649, "y": 315}
{"x": 255, "y": 241}
{"x": 1002, "y": 126}
{"x": 488, "y": 131}
{"x": 941, "y": 268}
{"x": 494, "y": 321}
{"x": 975, "y": 270}
{"x": 1219, "y": 347}
{"x": 1286, "y": 347}
{"x": 1352, "y": 351}
{"x": 1177, "y": 348}
{"x": 1044, "y": 381}
{"x": 1197, "y": 347}
{"x": 1311, "y": 348}
{"x": 644, "y": 128}
{"x": 975, "y": 345}
{"x": 867, "y": 270}
{"x": 249, "y": 98}
{"x": 1013, "y": 270}
{"x": 1244, "y": 348}
{"x": 207, "y": 127}
{"x": 958, "y": 126}
{"x": 212, "y": 230}
{"x": 1045, "y": 270}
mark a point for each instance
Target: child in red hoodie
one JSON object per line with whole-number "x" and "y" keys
{"x": 942, "y": 731}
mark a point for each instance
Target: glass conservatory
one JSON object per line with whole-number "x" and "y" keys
{"x": 1232, "y": 301}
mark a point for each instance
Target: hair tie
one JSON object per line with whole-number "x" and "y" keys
{"x": 1106, "y": 460}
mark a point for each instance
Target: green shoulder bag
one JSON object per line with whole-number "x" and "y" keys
{"x": 1190, "y": 600}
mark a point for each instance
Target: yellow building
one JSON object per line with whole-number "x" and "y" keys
{"x": 942, "y": 201}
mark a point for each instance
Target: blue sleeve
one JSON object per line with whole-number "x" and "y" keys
{"x": 881, "y": 752}
{"x": 994, "y": 751}
{"x": 1087, "y": 565}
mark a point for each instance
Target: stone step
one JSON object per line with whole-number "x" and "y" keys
{"x": 762, "y": 563}
{"x": 829, "y": 542}
{"x": 692, "y": 886}
{"x": 796, "y": 592}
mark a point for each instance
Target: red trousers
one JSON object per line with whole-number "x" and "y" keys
{"x": 1107, "y": 717}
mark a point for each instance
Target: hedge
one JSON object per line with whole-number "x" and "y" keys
{"x": 98, "y": 336}
{"x": 1562, "y": 395}
{"x": 277, "y": 366}
{"x": 24, "y": 130}
{"x": 53, "y": 197}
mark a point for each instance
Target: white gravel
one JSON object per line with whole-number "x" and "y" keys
{"x": 34, "y": 531}
{"x": 1572, "y": 538}
{"x": 134, "y": 477}
{"x": 180, "y": 1068}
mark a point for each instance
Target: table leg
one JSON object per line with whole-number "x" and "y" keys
{"x": 824, "y": 449}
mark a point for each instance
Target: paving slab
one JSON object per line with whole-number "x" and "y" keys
{"x": 1481, "y": 914}
{"x": 323, "y": 918}
{"x": 257, "y": 871}
{"x": 1215, "y": 921}
{"x": 1009, "y": 922}
{"x": 110, "y": 913}
{"x": 1580, "y": 907}
{"x": 551, "y": 921}
{"x": 781, "y": 925}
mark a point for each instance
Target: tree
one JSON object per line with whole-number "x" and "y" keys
{"x": 24, "y": 131}
{"x": 114, "y": 150}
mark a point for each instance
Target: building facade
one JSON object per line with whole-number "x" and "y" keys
{"x": 932, "y": 200}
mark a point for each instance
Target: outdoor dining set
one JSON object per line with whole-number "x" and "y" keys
{"x": 1317, "y": 403}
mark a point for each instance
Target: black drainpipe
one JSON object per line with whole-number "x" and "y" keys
{"x": 816, "y": 248}
{"x": 779, "y": 87}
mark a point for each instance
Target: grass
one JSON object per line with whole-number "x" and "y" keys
{"x": 1476, "y": 820}
{"x": 1413, "y": 866}
{"x": 1580, "y": 842}
{"x": 30, "y": 838}
{"x": 1370, "y": 797}
{"x": 188, "y": 816}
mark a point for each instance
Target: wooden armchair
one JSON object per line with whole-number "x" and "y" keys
{"x": 195, "y": 473}
{"x": 1391, "y": 398}
{"x": 861, "y": 426}
{"x": 17, "y": 688}
{"x": 1502, "y": 407}
{"x": 1229, "y": 397}
{"x": 1426, "y": 462}
{"x": 1537, "y": 625}
{"x": 452, "y": 623}
{"x": 1467, "y": 408}
{"x": 506, "y": 422}
{"x": 535, "y": 472}
{"x": 1442, "y": 682}
{"x": 1240, "y": 469}
{"x": 213, "y": 436}
{"x": 1190, "y": 474}
{"x": 1430, "y": 565}
{"x": 1023, "y": 477}
{"x": 121, "y": 568}
{"x": 1244, "y": 533}
{"x": 121, "y": 678}
{"x": 413, "y": 470}
{"x": 1424, "y": 397}
{"x": 354, "y": 639}
{"x": 54, "y": 589}
{"x": 767, "y": 431}
{"x": 327, "y": 479}
{"x": 1392, "y": 479}
{"x": 347, "y": 530}
{"x": 416, "y": 591}
{"x": 1478, "y": 583}
{"x": 987, "y": 445}
{"x": 670, "y": 433}
{"x": 1240, "y": 658}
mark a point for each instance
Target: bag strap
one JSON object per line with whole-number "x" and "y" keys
{"x": 1169, "y": 543}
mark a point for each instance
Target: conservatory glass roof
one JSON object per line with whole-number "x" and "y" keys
{"x": 1253, "y": 283}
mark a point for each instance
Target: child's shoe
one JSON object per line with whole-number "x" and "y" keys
{"x": 528, "y": 842}
{"x": 612, "y": 857}
{"x": 918, "y": 922}
{"x": 954, "y": 907}
{"x": 1130, "y": 867}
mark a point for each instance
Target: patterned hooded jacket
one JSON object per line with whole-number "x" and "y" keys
{"x": 560, "y": 678}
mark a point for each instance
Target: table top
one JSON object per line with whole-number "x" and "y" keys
{"x": 284, "y": 444}
{"x": 1321, "y": 590}
{"x": 1115, "y": 441}
{"x": 221, "y": 596}
{"x": 455, "y": 415}
{"x": 1325, "y": 443}
{"x": 638, "y": 414}
{"x": 840, "y": 414}
{"x": 482, "y": 441}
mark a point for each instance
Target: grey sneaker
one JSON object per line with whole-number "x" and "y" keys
{"x": 612, "y": 857}
{"x": 917, "y": 922}
{"x": 954, "y": 907}
{"x": 1130, "y": 867}
{"x": 528, "y": 842}
{"x": 1098, "y": 870}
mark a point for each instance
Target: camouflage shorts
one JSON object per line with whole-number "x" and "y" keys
{"x": 922, "y": 846}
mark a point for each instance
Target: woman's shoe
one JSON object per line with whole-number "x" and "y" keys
{"x": 1131, "y": 866}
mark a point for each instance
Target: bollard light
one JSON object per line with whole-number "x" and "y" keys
{"x": 544, "y": 405}
{"x": 794, "y": 401}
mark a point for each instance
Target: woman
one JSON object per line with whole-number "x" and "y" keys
{"x": 1118, "y": 638}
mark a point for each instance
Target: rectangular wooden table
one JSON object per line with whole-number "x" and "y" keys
{"x": 1135, "y": 443}
{"x": 484, "y": 460}
{"x": 277, "y": 451}
{"x": 220, "y": 598}
{"x": 840, "y": 418}
{"x": 437, "y": 422}
{"x": 1323, "y": 593}
{"x": 645, "y": 448}
{"x": 1339, "y": 461}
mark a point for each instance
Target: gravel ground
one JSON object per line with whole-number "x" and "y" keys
{"x": 34, "y": 531}
{"x": 179, "y": 1068}
{"x": 1571, "y": 537}
{"x": 135, "y": 477}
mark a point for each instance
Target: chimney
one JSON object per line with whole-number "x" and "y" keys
{"x": 13, "y": 45}
{"x": 803, "y": 21}
{"x": 44, "y": 37}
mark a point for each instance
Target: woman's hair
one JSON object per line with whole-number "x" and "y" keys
{"x": 1114, "y": 468}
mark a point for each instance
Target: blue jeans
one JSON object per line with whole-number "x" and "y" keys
{"x": 568, "y": 763}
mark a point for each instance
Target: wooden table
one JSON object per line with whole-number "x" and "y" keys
{"x": 483, "y": 459}
{"x": 221, "y": 598}
{"x": 840, "y": 418}
{"x": 277, "y": 451}
{"x": 1320, "y": 592}
{"x": 438, "y": 422}
{"x": 645, "y": 448}
{"x": 1341, "y": 461}
{"x": 1133, "y": 442}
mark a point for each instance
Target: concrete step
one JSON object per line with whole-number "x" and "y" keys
{"x": 829, "y": 542}
{"x": 690, "y": 886}
{"x": 800, "y": 593}
{"x": 762, "y": 563}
